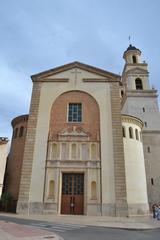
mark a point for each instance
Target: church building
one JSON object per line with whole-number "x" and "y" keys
{"x": 90, "y": 144}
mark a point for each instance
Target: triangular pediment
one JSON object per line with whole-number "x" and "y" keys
{"x": 73, "y": 133}
{"x": 137, "y": 71}
{"x": 73, "y": 65}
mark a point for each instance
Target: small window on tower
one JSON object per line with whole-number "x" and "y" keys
{"x": 148, "y": 149}
{"x": 139, "y": 85}
{"x": 134, "y": 59}
{"x": 152, "y": 181}
{"x": 143, "y": 109}
{"x": 145, "y": 124}
{"x": 75, "y": 112}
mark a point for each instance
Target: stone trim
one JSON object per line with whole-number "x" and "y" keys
{"x": 19, "y": 119}
{"x": 69, "y": 66}
{"x": 98, "y": 80}
{"x": 62, "y": 80}
{"x": 132, "y": 119}
{"x": 141, "y": 93}
{"x": 118, "y": 153}
{"x": 29, "y": 150}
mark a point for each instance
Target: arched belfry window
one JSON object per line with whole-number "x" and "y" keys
{"x": 134, "y": 59}
{"x": 139, "y": 85}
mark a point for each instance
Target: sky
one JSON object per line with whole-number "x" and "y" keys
{"x": 37, "y": 35}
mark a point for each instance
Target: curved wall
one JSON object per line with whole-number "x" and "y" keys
{"x": 134, "y": 166}
{"x": 15, "y": 158}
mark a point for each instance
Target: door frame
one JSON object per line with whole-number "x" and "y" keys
{"x": 60, "y": 188}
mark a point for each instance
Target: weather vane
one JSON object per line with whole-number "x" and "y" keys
{"x": 129, "y": 38}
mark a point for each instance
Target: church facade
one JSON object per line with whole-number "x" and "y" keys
{"x": 88, "y": 144}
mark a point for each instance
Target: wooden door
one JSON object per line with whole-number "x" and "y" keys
{"x": 72, "y": 193}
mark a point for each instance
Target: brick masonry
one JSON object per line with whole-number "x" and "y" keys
{"x": 90, "y": 114}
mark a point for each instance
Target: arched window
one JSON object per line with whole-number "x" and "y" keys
{"x": 73, "y": 151}
{"x": 139, "y": 85}
{"x": 21, "y": 131}
{"x": 123, "y": 131}
{"x": 93, "y": 190}
{"x": 130, "y": 132}
{"x": 93, "y": 151}
{"x": 84, "y": 151}
{"x": 51, "y": 189}
{"x": 16, "y": 133}
{"x": 136, "y": 133}
{"x": 143, "y": 109}
{"x": 122, "y": 93}
{"x": 134, "y": 59}
{"x": 54, "y": 151}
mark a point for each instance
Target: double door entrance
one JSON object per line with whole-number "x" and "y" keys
{"x": 72, "y": 193}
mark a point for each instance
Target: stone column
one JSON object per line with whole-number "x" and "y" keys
{"x": 118, "y": 153}
{"x": 23, "y": 200}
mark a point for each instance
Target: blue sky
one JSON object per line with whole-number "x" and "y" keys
{"x": 36, "y": 35}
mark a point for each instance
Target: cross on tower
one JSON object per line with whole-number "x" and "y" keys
{"x": 76, "y": 72}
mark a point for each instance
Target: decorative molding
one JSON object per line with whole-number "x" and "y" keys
{"x": 38, "y": 77}
{"x": 137, "y": 71}
{"x": 62, "y": 80}
{"x": 141, "y": 93}
{"x": 73, "y": 133}
{"x": 150, "y": 131}
{"x": 132, "y": 120}
{"x": 103, "y": 80}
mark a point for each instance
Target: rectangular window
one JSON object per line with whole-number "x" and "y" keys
{"x": 75, "y": 112}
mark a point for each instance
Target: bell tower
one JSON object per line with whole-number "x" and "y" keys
{"x": 135, "y": 73}
{"x": 139, "y": 99}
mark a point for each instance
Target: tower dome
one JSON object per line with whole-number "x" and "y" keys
{"x": 132, "y": 54}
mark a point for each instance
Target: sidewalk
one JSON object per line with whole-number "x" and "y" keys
{"x": 135, "y": 223}
{"x": 13, "y": 231}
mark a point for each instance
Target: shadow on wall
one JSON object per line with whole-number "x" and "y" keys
{"x": 7, "y": 204}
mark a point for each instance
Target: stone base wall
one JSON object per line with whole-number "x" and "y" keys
{"x": 141, "y": 209}
{"x": 93, "y": 209}
{"x": 108, "y": 210}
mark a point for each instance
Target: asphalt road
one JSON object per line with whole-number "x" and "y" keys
{"x": 81, "y": 232}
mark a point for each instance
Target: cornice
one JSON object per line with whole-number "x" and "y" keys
{"x": 19, "y": 119}
{"x": 38, "y": 77}
{"x": 142, "y": 93}
{"x": 151, "y": 131}
{"x": 132, "y": 119}
{"x": 98, "y": 80}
